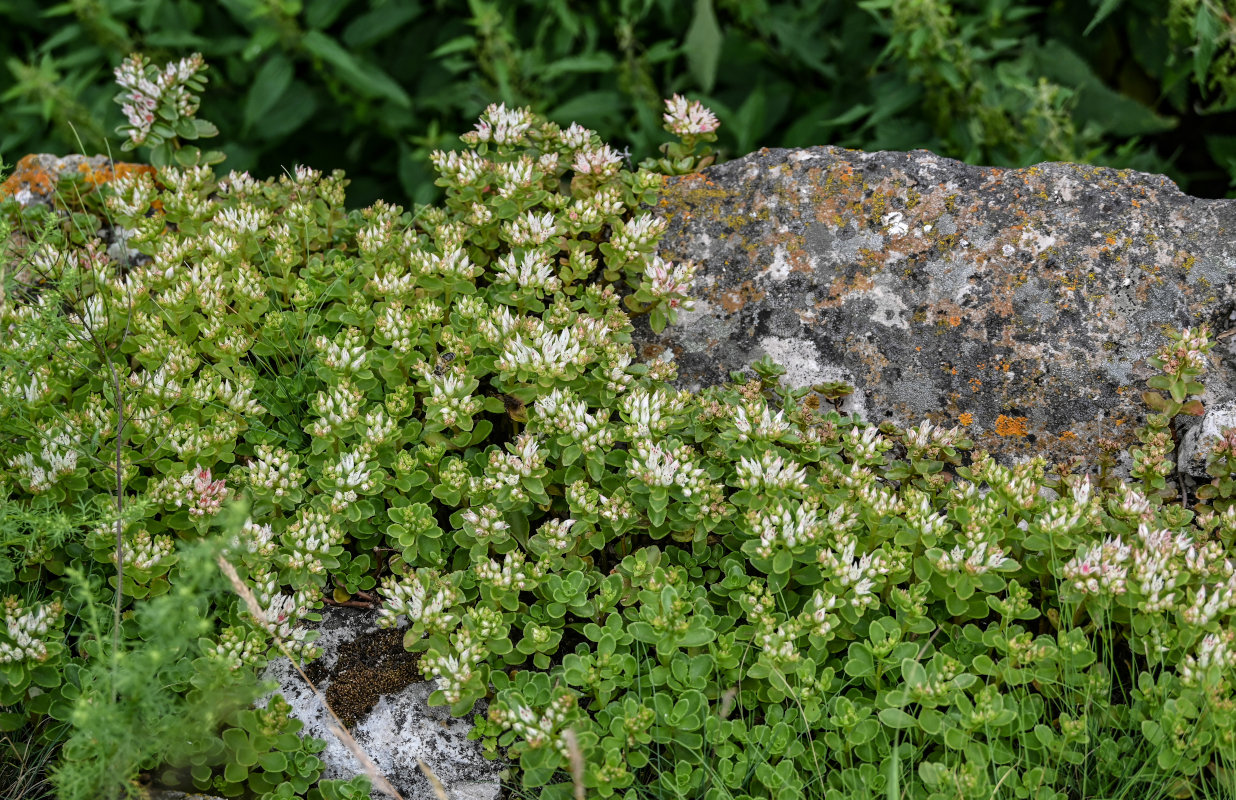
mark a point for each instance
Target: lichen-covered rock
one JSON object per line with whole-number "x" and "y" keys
{"x": 1021, "y": 304}
{"x": 36, "y": 177}
{"x": 373, "y": 684}
{"x": 1195, "y": 448}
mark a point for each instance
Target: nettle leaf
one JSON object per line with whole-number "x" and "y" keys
{"x": 702, "y": 44}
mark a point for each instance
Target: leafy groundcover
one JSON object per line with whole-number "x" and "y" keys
{"x": 736, "y": 593}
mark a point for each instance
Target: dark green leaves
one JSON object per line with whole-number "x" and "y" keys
{"x": 365, "y": 79}
{"x": 702, "y": 44}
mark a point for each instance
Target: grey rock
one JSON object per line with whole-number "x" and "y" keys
{"x": 1022, "y": 304}
{"x": 1195, "y": 448}
{"x": 372, "y": 684}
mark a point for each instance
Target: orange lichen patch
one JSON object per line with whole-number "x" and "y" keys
{"x": 734, "y": 300}
{"x": 1064, "y": 437}
{"x": 36, "y": 176}
{"x": 966, "y": 418}
{"x": 975, "y": 384}
{"x": 1011, "y": 426}
{"x": 29, "y": 174}
{"x": 105, "y": 174}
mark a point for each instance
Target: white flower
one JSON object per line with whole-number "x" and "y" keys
{"x": 688, "y": 118}
{"x": 501, "y": 125}
{"x": 603, "y": 161}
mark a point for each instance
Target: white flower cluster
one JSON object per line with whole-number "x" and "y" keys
{"x": 24, "y": 629}
{"x": 927, "y": 440}
{"x": 1131, "y": 504}
{"x": 421, "y": 596}
{"x": 1211, "y": 601}
{"x": 452, "y": 264}
{"x": 131, "y": 195}
{"x": 1156, "y": 567}
{"x": 452, "y": 671}
{"x": 652, "y": 413}
{"x": 450, "y": 397}
{"x": 666, "y": 465}
{"x": 531, "y": 229}
{"x": 56, "y": 459}
{"x": 242, "y": 220}
{"x": 602, "y": 161}
{"x": 507, "y": 469}
{"x": 484, "y": 522}
{"x": 235, "y": 648}
{"x": 144, "y": 551}
{"x": 190, "y": 440}
{"x": 635, "y": 237}
{"x": 460, "y": 167}
{"x": 1100, "y": 569}
{"x": 346, "y": 355}
{"x": 666, "y": 281}
{"x": 974, "y": 556}
{"x": 537, "y": 730}
{"x": 1020, "y": 484}
{"x": 819, "y": 613}
{"x": 518, "y": 176}
{"x": 547, "y": 353}
{"x": 272, "y": 471}
{"x": 145, "y": 94}
{"x": 881, "y": 499}
{"x": 159, "y": 386}
{"x": 195, "y": 488}
{"x": 789, "y": 527}
{"x": 351, "y": 476}
{"x": 514, "y": 573}
{"x": 927, "y": 523}
{"x": 378, "y": 427}
{"x": 755, "y": 420}
{"x": 841, "y": 563}
{"x": 1215, "y": 656}
{"x": 585, "y": 500}
{"x": 865, "y": 446}
{"x": 535, "y": 271}
{"x": 688, "y": 118}
{"x": 336, "y": 409}
{"x": 397, "y": 326}
{"x": 501, "y": 125}
{"x": 586, "y": 213}
{"x": 252, "y": 539}
{"x": 771, "y": 471}
{"x": 557, "y": 533}
{"x": 561, "y": 412}
{"x": 280, "y": 614}
{"x": 239, "y": 398}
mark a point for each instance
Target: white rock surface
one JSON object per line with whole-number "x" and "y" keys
{"x": 1196, "y": 444}
{"x": 400, "y": 727}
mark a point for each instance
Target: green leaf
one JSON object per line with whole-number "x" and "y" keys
{"x": 379, "y": 23}
{"x": 1207, "y": 32}
{"x": 366, "y": 79}
{"x": 321, "y": 13}
{"x": 1108, "y": 109}
{"x": 896, "y": 718}
{"x": 860, "y": 662}
{"x": 269, "y": 85}
{"x": 1156, "y": 401}
{"x": 588, "y": 62}
{"x": 913, "y": 673}
{"x": 290, "y": 112}
{"x": 703, "y": 45}
{"x": 456, "y": 45}
{"x": 1105, "y": 9}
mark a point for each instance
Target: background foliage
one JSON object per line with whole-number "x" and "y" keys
{"x": 372, "y": 86}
